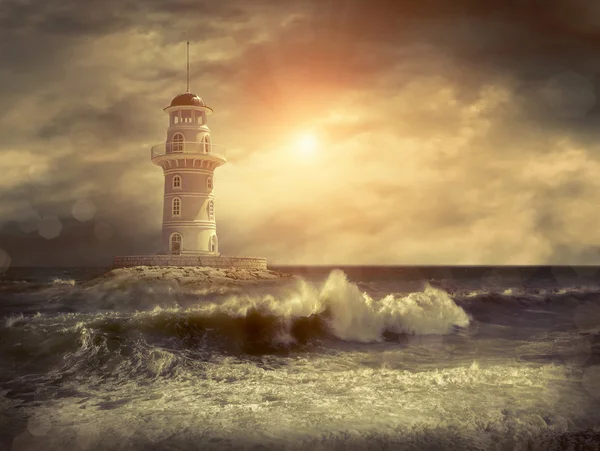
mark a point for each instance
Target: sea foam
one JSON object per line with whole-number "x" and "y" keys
{"x": 351, "y": 314}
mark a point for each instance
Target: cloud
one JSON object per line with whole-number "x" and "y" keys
{"x": 450, "y": 132}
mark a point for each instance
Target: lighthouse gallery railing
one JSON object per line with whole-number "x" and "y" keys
{"x": 201, "y": 148}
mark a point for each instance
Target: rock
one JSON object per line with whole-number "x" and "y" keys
{"x": 190, "y": 275}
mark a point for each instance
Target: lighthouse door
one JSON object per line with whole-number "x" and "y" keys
{"x": 176, "y": 244}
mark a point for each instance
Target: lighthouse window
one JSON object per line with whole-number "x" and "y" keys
{"x": 206, "y": 144}
{"x": 177, "y": 142}
{"x": 211, "y": 209}
{"x": 176, "y": 206}
{"x": 176, "y": 182}
{"x": 209, "y": 183}
{"x": 176, "y": 243}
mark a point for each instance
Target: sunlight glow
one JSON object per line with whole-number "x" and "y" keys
{"x": 306, "y": 144}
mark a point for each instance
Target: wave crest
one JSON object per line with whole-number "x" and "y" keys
{"x": 357, "y": 317}
{"x": 59, "y": 281}
{"x": 169, "y": 337}
{"x": 350, "y": 314}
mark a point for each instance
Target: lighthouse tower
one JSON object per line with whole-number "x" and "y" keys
{"x": 188, "y": 159}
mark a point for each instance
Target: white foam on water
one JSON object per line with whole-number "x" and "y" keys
{"x": 59, "y": 281}
{"x": 353, "y": 315}
{"x": 321, "y": 401}
{"x": 13, "y": 320}
{"x": 407, "y": 396}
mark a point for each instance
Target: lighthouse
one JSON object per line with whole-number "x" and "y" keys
{"x": 188, "y": 159}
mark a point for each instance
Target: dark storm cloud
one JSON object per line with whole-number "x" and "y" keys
{"x": 507, "y": 34}
{"x": 107, "y": 125}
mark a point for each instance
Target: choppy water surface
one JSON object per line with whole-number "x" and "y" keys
{"x": 359, "y": 358}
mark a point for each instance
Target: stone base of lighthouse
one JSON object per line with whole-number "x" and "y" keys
{"x": 190, "y": 260}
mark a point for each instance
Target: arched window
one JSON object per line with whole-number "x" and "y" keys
{"x": 176, "y": 206}
{"x": 177, "y": 142}
{"x": 209, "y": 183}
{"x": 206, "y": 140}
{"x": 176, "y": 243}
{"x": 211, "y": 209}
{"x": 176, "y": 182}
{"x": 213, "y": 243}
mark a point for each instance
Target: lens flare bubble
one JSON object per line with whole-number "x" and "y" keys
{"x": 28, "y": 218}
{"x": 591, "y": 381}
{"x": 50, "y": 227}
{"x": 83, "y": 210}
{"x": 38, "y": 425}
{"x": 587, "y": 316}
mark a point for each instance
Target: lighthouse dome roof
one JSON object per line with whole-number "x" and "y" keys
{"x": 188, "y": 99}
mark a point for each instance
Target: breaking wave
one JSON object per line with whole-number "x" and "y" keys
{"x": 13, "y": 320}
{"x": 164, "y": 339}
{"x": 132, "y": 327}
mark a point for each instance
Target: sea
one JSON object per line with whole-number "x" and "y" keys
{"x": 332, "y": 358}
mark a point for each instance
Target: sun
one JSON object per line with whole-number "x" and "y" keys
{"x": 306, "y": 144}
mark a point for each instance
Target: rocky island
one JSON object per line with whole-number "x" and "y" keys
{"x": 192, "y": 276}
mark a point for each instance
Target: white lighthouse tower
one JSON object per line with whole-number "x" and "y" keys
{"x": 188, "y": 159}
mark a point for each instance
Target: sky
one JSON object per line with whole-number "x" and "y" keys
{"x": 462, "y": 132}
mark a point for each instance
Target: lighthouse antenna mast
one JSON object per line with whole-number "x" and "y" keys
{"x": 188, "y": 67}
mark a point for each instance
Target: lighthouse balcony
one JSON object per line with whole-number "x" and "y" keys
{"x": 197, "y": 150}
